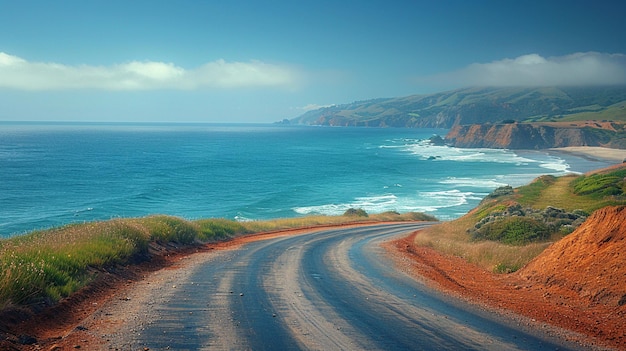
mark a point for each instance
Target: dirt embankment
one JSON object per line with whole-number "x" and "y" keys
{"x": 578, "y": 283}
{"x": 590, "y": 261}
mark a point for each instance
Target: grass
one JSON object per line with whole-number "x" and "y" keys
{"x": 451, "y": 238}
{"x": 616, "y": 112}
{"x": 41, "y": 267}
{"x": 507, "y": 251}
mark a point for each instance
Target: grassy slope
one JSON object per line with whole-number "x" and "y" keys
{"x": 587, "y": 193}
{"x": 44, "y": 266}
{"x": 488, "y": 105}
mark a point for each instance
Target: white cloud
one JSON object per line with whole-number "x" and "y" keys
{"x": 17, "y": 73}
{"x": 588, "y": 68}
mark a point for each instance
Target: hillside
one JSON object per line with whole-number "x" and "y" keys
{"x": 477, "y": 106}
{"x": 560, "y": 242}
{"x": 590, "y": 261}
{"x": 510, "y": 227}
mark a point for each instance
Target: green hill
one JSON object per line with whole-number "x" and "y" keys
{"x": 477, "y": 106}
{"x": 512, "y": 226}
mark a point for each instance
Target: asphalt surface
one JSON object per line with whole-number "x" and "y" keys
{"x": 329, "y": 290}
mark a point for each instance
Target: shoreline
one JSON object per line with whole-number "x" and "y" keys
{"x": 65, "y": 326}
{"x": 579, "y": 159}
{"x": 593, "y": 153}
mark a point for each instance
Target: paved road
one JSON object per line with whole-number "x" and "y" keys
{"x": 330, "y": 290}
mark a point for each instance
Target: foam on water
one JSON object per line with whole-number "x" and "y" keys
{"x": 52, "y": 175}
{"x": 427, "y": 151}
{"x": 555, "y": 164}
{"x": 428, "y": 202}
{"x": 473, "y": 182}
{"x": 372, "y": 204}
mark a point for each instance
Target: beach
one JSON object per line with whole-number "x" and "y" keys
{"x": 594, "y": 152}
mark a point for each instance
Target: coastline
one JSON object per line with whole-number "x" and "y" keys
{"x": 594, "y": 153}
{"x": 134, "y": 284}
{"x": 580, "y": 159}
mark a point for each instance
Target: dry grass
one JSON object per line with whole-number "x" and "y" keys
{"x": 44, "y": 266}
{"x": 451, "y": 238}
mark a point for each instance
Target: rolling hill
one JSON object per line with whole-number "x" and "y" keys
{"x": 477, "y": 105}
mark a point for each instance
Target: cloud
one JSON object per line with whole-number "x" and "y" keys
{"x": 578, "y": 69}
{"x": 17, "y": 73}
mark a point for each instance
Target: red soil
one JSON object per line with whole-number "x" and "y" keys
{"x": 577, "y": 284}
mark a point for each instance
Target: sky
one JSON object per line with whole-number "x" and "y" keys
{"x": 264, "y": 61}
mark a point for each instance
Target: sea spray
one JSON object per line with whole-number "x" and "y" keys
{"x": 56, "y": 174}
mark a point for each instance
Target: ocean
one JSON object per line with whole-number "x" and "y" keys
{"x": 53, "y": 174}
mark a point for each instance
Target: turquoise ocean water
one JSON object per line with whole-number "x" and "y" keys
{"x": 55, "y": 174}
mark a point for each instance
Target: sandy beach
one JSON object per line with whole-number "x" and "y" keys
{"x": 595, "y": 152}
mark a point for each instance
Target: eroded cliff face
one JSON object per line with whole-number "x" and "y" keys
{"x": 590, "y": 262}
{"x": 519, "y": 136}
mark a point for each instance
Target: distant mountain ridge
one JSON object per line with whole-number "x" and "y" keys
{"x": 477, "y": 105}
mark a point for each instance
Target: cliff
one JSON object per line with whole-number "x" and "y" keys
{"x": 537, "y": 135}
{"x": 590, "y": 262}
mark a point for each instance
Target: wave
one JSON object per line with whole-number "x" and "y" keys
{"x": 473, "y": 182}
{"x": 427, "y": 151}
{"x": 555, "y": 164}
{"x": 371, "y": 204}
{"x": 427, "y": 202}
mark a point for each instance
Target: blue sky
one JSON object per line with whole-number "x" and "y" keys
{"x": 263, "y": 61}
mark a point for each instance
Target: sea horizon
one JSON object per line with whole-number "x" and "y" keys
{"x": 57, "y": 173}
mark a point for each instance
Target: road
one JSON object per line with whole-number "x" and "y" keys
{"x": 329, "y": 290}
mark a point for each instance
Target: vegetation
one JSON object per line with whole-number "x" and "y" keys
{"x": 355, "y": 212}
{"x": 600, "y": 186}
{"x": 513, "y": 231}
{"x": 39, "y": 268}
{"x": 478, "y": 106}
{"x": 512, "y": 226}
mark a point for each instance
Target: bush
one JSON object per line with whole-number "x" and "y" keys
{"x": 501, "y": 191}
{"x": 355, "y": 212}
{"x": 513, "y": 231}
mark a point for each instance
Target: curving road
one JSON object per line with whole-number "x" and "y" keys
{"x": 328, "y": 290}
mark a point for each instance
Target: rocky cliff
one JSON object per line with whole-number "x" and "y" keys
{"x": 532, "y": 136}
{"x": 590, "y": 262}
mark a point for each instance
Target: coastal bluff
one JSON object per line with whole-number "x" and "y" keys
{"x": 534, "y": 136}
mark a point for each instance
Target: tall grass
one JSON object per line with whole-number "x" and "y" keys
{"x": 569, "y": 192}
{"x": 451, "y": 238}
{"x": 45, "y": 266}
{"x": 42, "y": 267}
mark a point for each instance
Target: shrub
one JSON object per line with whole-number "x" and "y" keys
{"x": 513, "y": 231}
{"x": 501, "y": 191}
{"x": 355, "y": 212}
